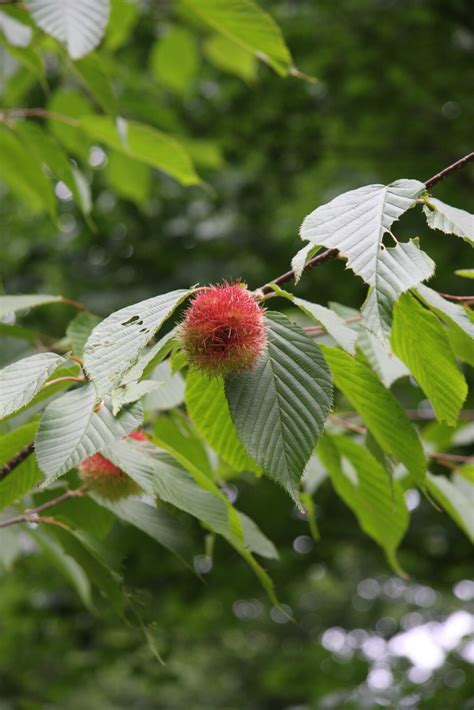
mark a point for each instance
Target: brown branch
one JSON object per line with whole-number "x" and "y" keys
{"x": 326, "y": 255}
{"x": 329, "y": 254}
{"x": 8, "y": 467}
{"x": 65, "y": 379}
{"x": 76, "y": 304}
{"x": 450, "y": 169}
{"x": 32, "y": 515}
{"x": 6, "y": 113}
{"x": 462, "y": 299}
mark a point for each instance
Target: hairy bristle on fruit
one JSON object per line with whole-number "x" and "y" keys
{"x": 223, "y": 330}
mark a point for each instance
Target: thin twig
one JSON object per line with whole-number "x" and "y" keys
{"x": 6, "y": 113}
{"x": 329, "y": 254}
{"x": 462, "y": 299}
{"x": 81, "y": 378}
{"x": 10, "y": 466}
{"x": 450, "y": 169}
{"x": 76, "y": 304}
{"x": 32, "y": 515}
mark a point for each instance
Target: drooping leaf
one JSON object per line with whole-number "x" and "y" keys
{"x": 454, "y": 500}
{"x": 451, "y": 313}
{"x": 70, "y": 430}
{"x": 25, "y": 476}
{"x": 379, "y": 409}
{"x": 355, "y": 224}
{"x": 12, "y": 304}
{"x": 92, "y": 74}
{"x": 79, "y": 329}
{"x": 158, "y": 523}
{"x": 16, "y": 33}
{"x": 280, "y": 408}
{"x": 133, "y": 392}
{"x": 66, "y": 564}
{"x": 20, "y": 381}
{"x": 80, "y": 24}
{"x": 450, "y": 220}
{"x": 174, "y": 432}
{"x": 364, "y": 485}
{"x": 208, "y": 408}
{"x": 123, "y": 16}
{"x": 115, "y": 344}
{"x": 246, "y": 24}
{"x": 131, "y": 179}
{"x": 143, "y": 143}
{"x": 398, "y": 269}
{"x": 231, "y": 57}
{"x": 336, "y": 327}
{"x": 72, "y": 105}
{"x": 24, "y": 176}
{"x": 171, "y": 392}
{"x": 175, "y": 60}
{"x": 419, "y": 340}
{"x": 11, "y": 548}
{"x": 80, "y": 548}
{"x": 160, "y": 475}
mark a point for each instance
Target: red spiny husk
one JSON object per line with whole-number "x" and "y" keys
{"x": 108, "y": 480}
{"x": 223, "y": 330}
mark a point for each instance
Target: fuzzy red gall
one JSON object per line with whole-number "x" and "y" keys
{"x": 108, "y": 480}
{"x": 223, "y": 330}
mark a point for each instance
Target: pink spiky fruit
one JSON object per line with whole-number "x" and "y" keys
{"x": 108, "y": 480}
{"x": 223, "y": 330}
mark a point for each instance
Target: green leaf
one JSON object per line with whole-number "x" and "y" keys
{"x": 92, "y": 74}
{"x": 65, "y": 564}
{"x": 79, "y": 547}
{"x": 364, "y": 485}
{"x": 70, "y": 430}
{"x": 123, "y": 16}
{"x": 398, "y": 269}
{"x": 466, "y": 273}
{"x": 16, "y": 33}
{"x": 355, "y": 223}
{"x": 336, "y": 327}
{"x": 12, "y": 304}
{"x": 79, "y": 329}
{"x": 11, "y": 548}
{"x": 116, "y": 343}
{"x": 20, "y": 381}
{"x": 174, "y": 432}
{"x": 208, "y": 408}
{"x": 174, "y": 60}
{"x": 160, "y": 475}
{"x": 24, "y": 176}
{"x": 130, "y": 178}
{"x": 171, "y": 392}
{"x": 453, "y": 314}
{"x": 81, "y": 512}
{"x": 452, "y": 497}
{"x": 387, "y": 365}
{"x": 143, "y": 143}
{"x": 133, "y": 392}
{"x": 246, "y": 24}
{"x": 379, "y": 409}
{"x": 420, "y": 341}
{"x": 25, "y": 476}
{"x": 71, "y": 104}
{"x": 80, "y": 24}
{"x": 231, "y": 57}
{"x": 162, "y": 526}
{"x": 450, "y": 220}
{"x": 147, "y": 362}
{"x": 280, "y": 408}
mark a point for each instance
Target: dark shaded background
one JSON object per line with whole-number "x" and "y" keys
{"x": 393, "y": 99}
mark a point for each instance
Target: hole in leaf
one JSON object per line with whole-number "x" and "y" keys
{"x": 132, "y": 319}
